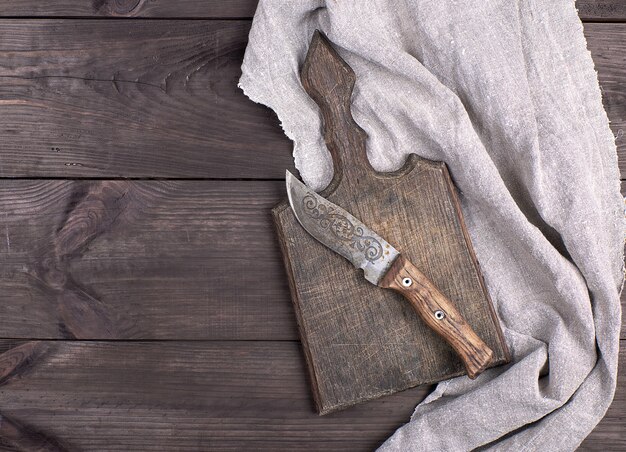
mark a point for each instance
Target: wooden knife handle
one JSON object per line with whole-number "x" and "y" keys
{"x": 439, "y": 314}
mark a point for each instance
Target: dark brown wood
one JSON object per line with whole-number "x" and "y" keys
{"x": 602, "y": 10}
{"x": 119, "y": 98}
{"x": 16, "y": 361}
{"x": 96, "y": 98}
{"x": 21, "y": 437}
{"x": 84, "y": 98}
{"x": 141, "y": 259}
{"x": 606, "y": 10}
{"x": 196, "y": 9}
{"x": 155, "y": 396}
{"x": 607, "y": 43}
{"x": 440, "y": 314}
{"x": 360, "y": 341}
{"x": 167, "y": 266}
{"x": 182, "y": 396}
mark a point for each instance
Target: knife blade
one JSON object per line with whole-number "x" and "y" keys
{"x": 384, "y": 266}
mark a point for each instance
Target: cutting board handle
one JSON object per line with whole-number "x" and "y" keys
{"x": 329, "y": 81}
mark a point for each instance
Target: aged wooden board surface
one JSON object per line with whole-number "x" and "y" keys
{"x": 360, "y": 341}
{"x": 601, "y": 10}
{"x": 102, "y": 98}
{"x": 212, "y": 9}
{"x": 141, "y": 259}
{"x": 607, "y": 43}
{"x": 168, "y": 265}
{"x": 130, "y": 260}
{"x": 84, "y": 98}
{"x": 195, "y": 396}
{"x": 181, "y": 396}
{"x": 195, "y": 9}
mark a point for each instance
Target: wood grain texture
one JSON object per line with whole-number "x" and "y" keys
{"x": 141, "y": 259}
{"x": 115, "y": 98}
{"x": 440, "y": 314}
{"x": 602, "y": 10}
{"x": 211, "y": 9}
{"x": 360, "y": 341}
{"x": 607, "y": 43}
{"x": 193, "y": 9}
{"x": 84, "y": 98}
{"x": 198, "y": 396}
{"x": 81, "y": 260}
{"x": 16, "y": 362}
{"x": 165, "y": 261}
{"x": 184, "y": 396}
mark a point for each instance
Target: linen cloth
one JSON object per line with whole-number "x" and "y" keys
{"x": 505, "y": 93}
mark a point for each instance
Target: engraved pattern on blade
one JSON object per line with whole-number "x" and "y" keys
{"x": 342, "y": 228}
{"x": 340, "y": 231}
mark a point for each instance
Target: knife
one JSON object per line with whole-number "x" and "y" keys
{"x": 385, "y": 267}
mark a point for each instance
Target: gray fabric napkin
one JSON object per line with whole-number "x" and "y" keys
{"x": 506, "y": 94}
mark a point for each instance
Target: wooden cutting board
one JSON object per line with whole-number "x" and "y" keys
{"x": 361, "y": 341}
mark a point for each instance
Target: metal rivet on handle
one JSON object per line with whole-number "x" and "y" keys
{"x": 406, "y": 282}
{"x": 439, "y": 315}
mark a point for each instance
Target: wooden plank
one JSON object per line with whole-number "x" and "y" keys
{"x": 132, "y": 99}
{"x": 607, "y": 43}
{"x": 211, "y": 9}
{"x": 205, "y": 9}
{"x": 179, "y": 396}
{"x": 142, "y": 259}
{"x": 601, "y": 10}
{"x": 196, "y": 396}
{"x": 115, "y": 98}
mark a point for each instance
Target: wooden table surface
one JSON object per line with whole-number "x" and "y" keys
{"x": 143, "y": 303}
